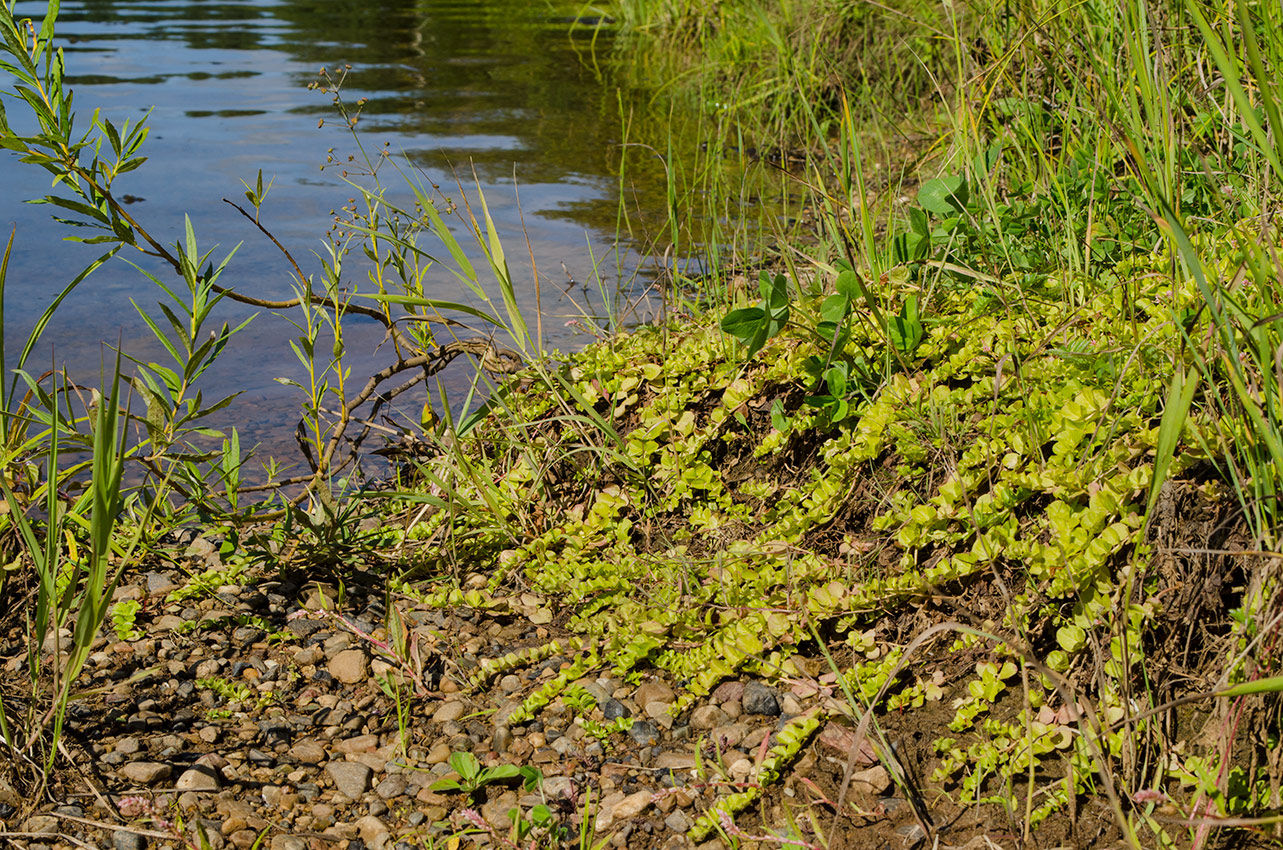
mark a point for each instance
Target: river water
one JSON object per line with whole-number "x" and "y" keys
{"x": 509, "y": 90}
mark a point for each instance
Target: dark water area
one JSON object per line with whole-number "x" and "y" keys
{"x": 506, "y": 89}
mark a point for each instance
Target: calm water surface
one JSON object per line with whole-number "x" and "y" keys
{"x": 506, "y": 87}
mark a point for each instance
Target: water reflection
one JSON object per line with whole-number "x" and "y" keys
{"x": 503, "y": 89}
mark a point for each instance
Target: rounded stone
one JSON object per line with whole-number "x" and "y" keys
{"x": 708, "y": 717}
{"x": 123, "y": 839}
{"x": 644, "y": 733}
{"x": 448, "y": 711}
{"x": 351, "y": 666}
{"x": 391, "y": 787}
{"x": 351, "y": 778}
{"x": 759, "y": 699}
{"x": 146, "y": 772}
{"x": 199, "y": 778}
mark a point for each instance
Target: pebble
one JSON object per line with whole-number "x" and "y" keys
{"x": 501, "y": 740}
{"x": 123, "y": 839}
{"x": 873, "y": 781}
{"x": 643, "y": 732}
{"x": 708, "y": 717}
{"x": 308, "y": 752}
{"x": 351, "y": 779}
{"x": 759, "y": 699}
{"x": 656, "y": 691}
{"x": 614, "y": 709}
{"x": 359, "y": 744}
{"x": 557, "y": 787}
{"x": 728, "y": 691}
{"x": 146, "y": 772}
{"x": 674, "y": 761}
{"x": 391, "y": 787}
{"x": 448, "y": 711}
{"x": 632, "y": 805}
{"x": 911, "y": 833}
{"x": 288, "y": 842}
{"x": 198, "y": 778}
{"x": 606, "y": 811}
{"x": 495, "y": 812}
{"x": 42, "y": 824}
{"x": 350, "y": 666}
{"x": 510, "y": 684}
{"x": 373, "y": 831}
{"x": 438, "y": 754}
{"x": 678, "y": 821}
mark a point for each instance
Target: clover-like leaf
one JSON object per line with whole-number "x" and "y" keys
{"x": 944, "y": 196}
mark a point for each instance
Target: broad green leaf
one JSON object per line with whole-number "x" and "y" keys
{"x": 944, "y": 196}
{"x": 906, "y": 329}
{"x": 744, "y": 323}
{"x": 835, "y": 307}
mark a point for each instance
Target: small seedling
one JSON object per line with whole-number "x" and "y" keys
{"x": 123, "y": 618}
{"x": 473, "y": 777}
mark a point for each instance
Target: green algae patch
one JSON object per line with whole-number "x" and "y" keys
{"x": 686, "y": 509}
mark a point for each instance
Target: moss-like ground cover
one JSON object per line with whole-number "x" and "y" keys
{"x": 986, "y": 490}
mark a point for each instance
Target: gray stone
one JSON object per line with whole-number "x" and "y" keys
{"x": 911, "y": 833}
{"x": 391, "y": 787}
{"x": 759, "y": 699}
{"x": 207, "y": 835}
{"x": 599, "y": 693}
{"x": 614, "y": 709}
{"x": 123, "y": 839}
{"x": 351, "y": 778}
{"x": 678, "y": 821}
{"x": 558, "y": 787}
{"x": 510, "y": 684}
{"x": 159, "y": 583}
{"x": 644, "y": 733}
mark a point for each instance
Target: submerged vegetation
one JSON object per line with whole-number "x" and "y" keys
{"x": 984, "y": 447}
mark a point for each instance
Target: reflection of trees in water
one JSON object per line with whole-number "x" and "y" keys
{"x": 489, "y": 83}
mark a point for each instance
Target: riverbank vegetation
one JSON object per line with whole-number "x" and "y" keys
{"x": 976, "y": 456}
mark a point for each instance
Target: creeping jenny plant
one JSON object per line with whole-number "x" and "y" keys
{"x": 692, "y": 545}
